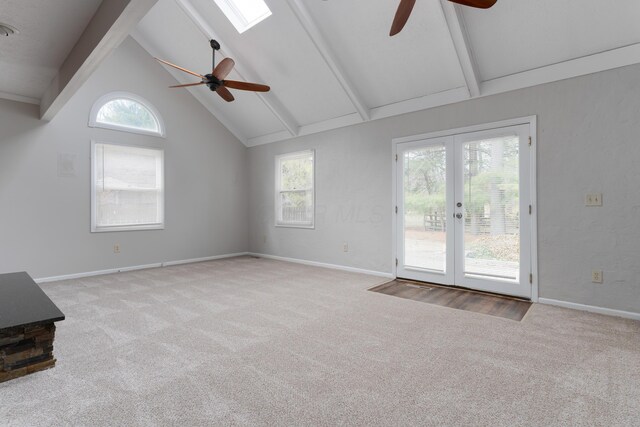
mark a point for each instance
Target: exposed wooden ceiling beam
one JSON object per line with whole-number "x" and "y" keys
{"x": 307, "y": 22}
{"x": 110, "y": 25}
{"x": 243, "y": 71}
{"x": 455, "y": 22}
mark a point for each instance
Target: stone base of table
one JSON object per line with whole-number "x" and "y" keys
{"x": 25, "y": 350}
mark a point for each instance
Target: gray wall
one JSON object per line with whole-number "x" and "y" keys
{"x": 588, "y": 133}
{"x": 45, "y": 219}
{"x": 587, "y": 142}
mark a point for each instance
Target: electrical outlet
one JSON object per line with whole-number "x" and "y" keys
{"x": 116, "y": 248}
{"x": 596, "y": 276}
{"x": 593, "y": 199}
{"x": 345, "y": 247}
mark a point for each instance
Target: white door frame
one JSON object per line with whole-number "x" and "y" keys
{"x": 532, "y": 122}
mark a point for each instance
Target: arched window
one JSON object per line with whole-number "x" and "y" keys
{"x": 126, "y": 112}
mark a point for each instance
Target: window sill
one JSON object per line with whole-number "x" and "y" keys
{"x": 308, "y": 227}
{"x": 127, "y": 228}
{"x": 127, "y": 129}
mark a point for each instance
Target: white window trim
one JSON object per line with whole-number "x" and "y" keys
{"x": 137, "y": 227}
{"x": 238, "y": 20}
{"x": 93, "y": 115}
{"x": 313, "y": 190}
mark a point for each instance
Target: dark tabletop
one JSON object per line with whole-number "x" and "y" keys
{"x": 22, "y": 302}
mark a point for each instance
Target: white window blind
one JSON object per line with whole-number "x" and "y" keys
{"x": 295, "y": 189}
{"x": 127, "y": 188}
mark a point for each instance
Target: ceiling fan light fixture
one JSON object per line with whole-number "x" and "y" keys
{"x": 7, "y": 30}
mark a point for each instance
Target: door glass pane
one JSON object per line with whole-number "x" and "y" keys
{"x": 425, "y": 222}
{"x": 492, "y": 208}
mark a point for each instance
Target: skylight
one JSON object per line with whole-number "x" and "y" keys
{"x": 244, "y": 14}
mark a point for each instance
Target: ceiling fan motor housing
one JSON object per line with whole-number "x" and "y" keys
{"x": 212, "y": 82}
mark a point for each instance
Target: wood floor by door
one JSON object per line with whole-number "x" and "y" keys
{"x": 461, "y": 299}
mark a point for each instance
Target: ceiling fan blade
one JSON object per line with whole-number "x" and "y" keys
{"x": 223, "y": 68}
{"x": 180, "y": 68}
{"x": 480, "y": 4}
{"x": 402, "y": 15}
{"x": 189, "y": 84}
{"x": 246, "y": 86}
{"x": 224, "y": 93}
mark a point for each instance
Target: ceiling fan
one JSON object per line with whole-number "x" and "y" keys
{"x": 406, "y": 6}
{"x": 216, "y": 80}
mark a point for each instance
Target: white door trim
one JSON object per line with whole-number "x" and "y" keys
{"x": 532, "y": 122}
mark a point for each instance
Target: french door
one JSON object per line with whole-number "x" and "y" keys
{"x": 463, "y": 210}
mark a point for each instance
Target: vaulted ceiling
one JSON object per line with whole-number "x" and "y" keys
{"x": 58, "y": 45}
{"x": 330, "y": 63}
{"x": 47, "y": 32}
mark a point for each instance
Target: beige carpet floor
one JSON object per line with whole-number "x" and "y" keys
{"x": 258, "y": 342}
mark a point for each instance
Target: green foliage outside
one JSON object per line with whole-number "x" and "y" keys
{"x": 296, "y": 184}
{"x": 481, "y": 180}
{"x": 424, "y": 181}
{"x": 296, "y": 174}
{"x": 491, "y": 179}
{"x": 127, "y": 113}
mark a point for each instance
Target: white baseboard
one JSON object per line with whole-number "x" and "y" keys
{"x": 209, "y": 258}
{"x": 325, "y": 265}
{"x": 548, "y": 301}
{"x": 96, "y": 273}
{"x": 135, "y": 267}
{"x": 590, "y": 308}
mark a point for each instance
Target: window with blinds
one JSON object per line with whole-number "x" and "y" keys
{"x": 127, "y": 188}
{"x": 295, "y": 189}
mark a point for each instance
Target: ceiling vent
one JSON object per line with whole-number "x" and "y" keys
{"x": 7, "y": 30}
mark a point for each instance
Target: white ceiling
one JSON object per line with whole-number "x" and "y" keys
{"x": 520, "y": 35}
{"x": 47, "y": 32}
{"x": 420, "y": 61}
{"x": 331, "y": 63}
